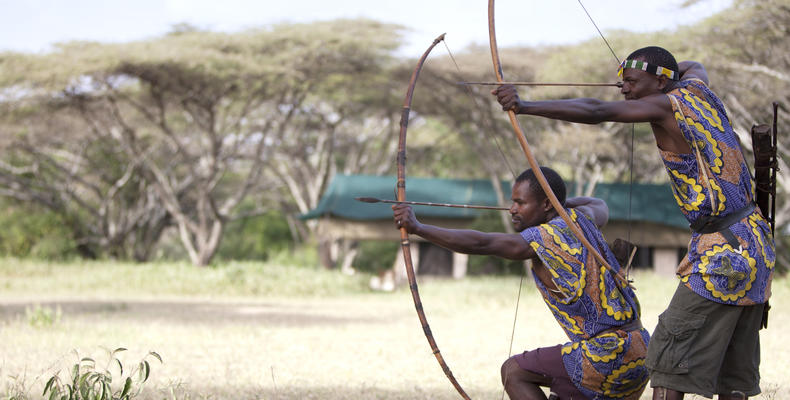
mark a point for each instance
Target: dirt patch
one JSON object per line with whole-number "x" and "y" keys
{"x": 191, "y": 312}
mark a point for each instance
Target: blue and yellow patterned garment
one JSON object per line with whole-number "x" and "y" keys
{"x": 590, "y": 304}
{"x": 713, "y": 268}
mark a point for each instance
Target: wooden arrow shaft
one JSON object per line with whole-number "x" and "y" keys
{"x": 423, "y": 203}
{"x": 615, "y": 84}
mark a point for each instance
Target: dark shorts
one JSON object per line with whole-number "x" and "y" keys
{"x": 547, "y": 361}
{"x": 703, "y": 347}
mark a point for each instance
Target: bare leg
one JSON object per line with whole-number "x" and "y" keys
{"x": 522, "y": 385}
{"x": 662, "y": 393}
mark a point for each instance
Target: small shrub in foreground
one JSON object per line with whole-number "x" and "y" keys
{"x": 87, "y": 382}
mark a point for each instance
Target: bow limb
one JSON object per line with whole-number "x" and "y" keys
{"x": 522, "y": 139}
{"x": 405, "y": 246}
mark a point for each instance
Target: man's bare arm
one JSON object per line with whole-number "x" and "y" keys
{"x": 594, "y": 111}
{"x": 511, "y": 246}
{"x": 506, "y": 245}
{"x": 586, "y": 110}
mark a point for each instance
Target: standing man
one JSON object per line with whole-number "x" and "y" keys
{"x": 592, "y": 303}
{"x": 707, "y": 341}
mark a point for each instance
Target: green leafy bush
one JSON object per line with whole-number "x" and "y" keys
{"x": 376, "y": 255}
{"x": 86, "y": 381}
{"x": 255, "y": 238}
{"x": 32, "y": 231}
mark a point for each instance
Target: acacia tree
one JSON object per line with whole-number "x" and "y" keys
{"x": 340, "y": 105}
{"x": 208, "y": 119}
{"x": 52, "y": 159}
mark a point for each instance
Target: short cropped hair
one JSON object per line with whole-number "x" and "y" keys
{"x": 655, "y": 55}
{"x": 552, "y": 177}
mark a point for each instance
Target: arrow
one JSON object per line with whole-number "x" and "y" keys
{"x": 420, "y": 203}
{"x": 616, "y": 84}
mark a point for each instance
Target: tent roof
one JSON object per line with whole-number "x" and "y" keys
{"x": 650, "y": 202}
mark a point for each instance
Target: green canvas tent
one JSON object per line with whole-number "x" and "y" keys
{"x": 649, "y": 203}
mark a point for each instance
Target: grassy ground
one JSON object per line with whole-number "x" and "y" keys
{"x": 268, "y": 331}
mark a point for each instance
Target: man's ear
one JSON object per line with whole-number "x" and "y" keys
{"x": 547, "y": 204}
{"x": 663, "y": 81}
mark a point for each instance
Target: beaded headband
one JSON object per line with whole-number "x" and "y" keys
{"x": 653, "y": 69}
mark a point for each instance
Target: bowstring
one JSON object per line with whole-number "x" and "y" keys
{"x": 630, "y": 203}
{"x": 515, "y": 319}
{"x": 631, "y": 161}
{"x": 617, "y": 59}
{"x": 469, "y": 93}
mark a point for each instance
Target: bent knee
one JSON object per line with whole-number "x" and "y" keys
{"x": 509, "y": 369}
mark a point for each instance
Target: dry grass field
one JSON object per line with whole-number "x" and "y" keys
{"x": 268, "y": 331}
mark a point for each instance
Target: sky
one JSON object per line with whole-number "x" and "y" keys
{"x": 34, "y": 25}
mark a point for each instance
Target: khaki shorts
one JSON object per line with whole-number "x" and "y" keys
{"x": 703, "y": 347}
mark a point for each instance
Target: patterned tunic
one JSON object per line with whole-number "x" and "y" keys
{"x": 713, "y": 268}
{"x": 590, "y": 304}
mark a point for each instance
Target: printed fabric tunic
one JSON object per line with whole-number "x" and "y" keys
{"x": 713, "y": 268}
{"x": 590, "y": 303}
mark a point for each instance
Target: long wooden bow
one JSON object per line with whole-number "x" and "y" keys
{"x": 527, "y": 150}
{"x": 404, "y": 236}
